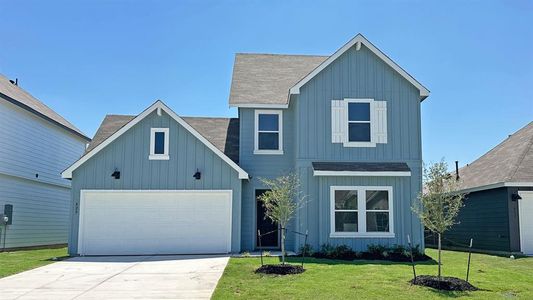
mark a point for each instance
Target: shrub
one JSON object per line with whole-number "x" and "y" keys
{"x": 327, "y": 250}
{"x": 336, "y": 252}
{"x": 393, "y": 253}
{"x": 376, "y": 249}
{"x": 306, "y": 250}
{"x": 398, "y": 249}
{"x": 344, "y": 252}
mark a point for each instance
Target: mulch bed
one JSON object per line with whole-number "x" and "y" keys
{"x": 445, "y": 283}
{"x": 280, "y": 269}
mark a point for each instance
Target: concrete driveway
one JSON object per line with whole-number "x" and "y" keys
{"x": 123, "y": 277}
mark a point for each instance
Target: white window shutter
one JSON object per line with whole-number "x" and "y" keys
{"x": 338, "y": 121}
{"x": 379, "y": 122}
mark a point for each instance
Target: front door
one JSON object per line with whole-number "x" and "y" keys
{"x": 265, "y": 225}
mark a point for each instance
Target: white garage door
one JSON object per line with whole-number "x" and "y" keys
{"x": 525, "y": 208}
{"x": 154, "y": 222}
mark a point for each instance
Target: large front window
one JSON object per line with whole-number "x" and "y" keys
{"x": 361, "y": 211}
{"x": 268, "y": 132}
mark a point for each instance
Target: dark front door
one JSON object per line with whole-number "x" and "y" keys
{"x": 265, "y": 225}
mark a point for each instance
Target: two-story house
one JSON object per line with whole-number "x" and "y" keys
{"x": 36, "y": 144}
{"x": 347, "y": 124}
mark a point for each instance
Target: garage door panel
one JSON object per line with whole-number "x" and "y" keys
{"x": 173, "y": 222}
{"x": 525, "y": 207}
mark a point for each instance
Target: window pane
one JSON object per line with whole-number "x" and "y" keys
{"x": 377, "y": 221}
{"x": 359, "y": 132}
{"x": 346, "y": 222}
{"x": 346, "y": 200}
{"x": 268, "y": 122}
{"x": 268, "y": 141}
{"x": 159, "y": 143}
{"x": 377, "y": 200}
{"x": 359, "y": 111}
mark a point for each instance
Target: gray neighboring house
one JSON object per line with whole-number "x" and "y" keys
{"x": 348, "y": 124}
{"x": 498, "y": 211}
{"x": 36, "y": 144}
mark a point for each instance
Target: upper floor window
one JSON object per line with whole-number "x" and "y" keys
{"x": 363, "y": 211}
{"x": 359, "y": 122}
{"x": 159, "y": 139}
{"x": 268, "y": 132}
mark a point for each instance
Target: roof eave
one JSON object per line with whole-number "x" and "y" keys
{"x": 259, "y": 105}
{"x": 495, "y": 186}
{"x": 35, "y": 112}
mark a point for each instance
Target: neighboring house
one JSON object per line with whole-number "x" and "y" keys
{"x": 36, "y": 144}
{"x": 348, "y": 124}
{"x": 498, "y": 209}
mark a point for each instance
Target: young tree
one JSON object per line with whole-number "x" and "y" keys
{"x": 439, "y": 202}
{"x": 281, "y": 202}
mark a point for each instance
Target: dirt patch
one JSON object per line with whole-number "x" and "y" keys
{"x": 280, "y": 269}
{"x": 445, "y": 283}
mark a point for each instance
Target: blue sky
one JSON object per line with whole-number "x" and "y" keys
{"x": 90, "y": 58}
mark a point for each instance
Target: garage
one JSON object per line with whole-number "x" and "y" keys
{"x": 525, "y": 208}
{"x": 120, "y": 222}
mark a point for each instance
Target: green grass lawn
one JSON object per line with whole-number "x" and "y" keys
{"x": 18, "y": 261}
{"x": 497, "y": 277}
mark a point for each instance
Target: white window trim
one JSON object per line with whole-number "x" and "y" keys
{"x": 280, "y": 132}
{"x": 363, "y": 173}
{"x": 152, "y": 155}
{"x": 361, "y": 213}
{"x": 347, "y": 143}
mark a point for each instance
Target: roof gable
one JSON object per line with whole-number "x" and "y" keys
{"x": 223, "y": 133}
{"x": 268, "y": 80}
{"x": 121, "y": 124}
{"x": 509, "y": 162}
{"x": 18, "y": 96}
{"x": 357, "y": 41}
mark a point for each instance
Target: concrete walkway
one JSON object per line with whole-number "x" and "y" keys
{"x": 119, "y": 277}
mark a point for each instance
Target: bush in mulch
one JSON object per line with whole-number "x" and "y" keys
{"x": 396, "y": 253}
{"x": 280, "y": 269}
{"x": 445, "y": 283}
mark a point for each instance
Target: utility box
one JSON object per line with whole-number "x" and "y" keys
{"x": 8, "y": 212}
{"x": 3, "y": 220}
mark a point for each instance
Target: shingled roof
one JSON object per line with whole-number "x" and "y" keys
{"x": 18, "y": 96}
{"x": 509, "y": 162}
{"x": 223, "y": 133}
{"x": 267, "y": 78}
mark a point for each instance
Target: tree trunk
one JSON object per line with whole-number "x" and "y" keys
{"x": 282, "y": 246}
{"x": 439, "y": 256}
